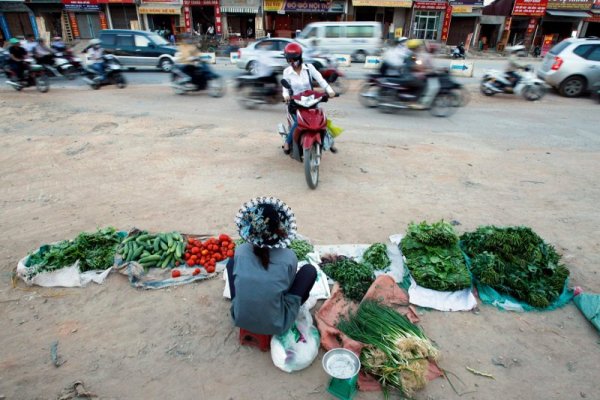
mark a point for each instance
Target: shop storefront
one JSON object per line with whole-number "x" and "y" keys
{"x": 427, "y": 19}
{"x": 393, "y": 14}
{"x": 239, "y": 18}
{"x": 284, "y": 17}
{"x": 525, "y": 22}
{"x": 202, "y": 14}
{"x": 565, "y": 18}
{"x": 48, "y": 17}
{"x": 16, "y": 19}
{"x": 122, "y": 14}
{"x": 463, "y": 24}
{"x": 86, "y": 18}
{"x": 162, "y": 16}
{"x": 592, "y": 24}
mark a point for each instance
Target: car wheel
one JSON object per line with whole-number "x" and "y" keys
{"x": 573, "y": 86}
{"x": 360, "y": 56}
{"x": 165, "y": 64}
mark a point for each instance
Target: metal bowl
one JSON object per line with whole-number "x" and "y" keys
{"x": 341, "y": 363}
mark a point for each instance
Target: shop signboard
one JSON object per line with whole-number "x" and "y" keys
{"x": 446, "y": 24}
{"x": 201, "y": 2}
{"x": 530, "y": 8}
{"x": 460, "y": 9}
{"x": 547, "y": 44}
{"x": 430, "y": 5}
{"x": 569, "y": 4}
{"x": 472, "y": 3}
{"x": 382, "y": 3}
{"x": 308, "y": 6}
{"x": 596, "y": 5}
{"x": 274, "y": 5}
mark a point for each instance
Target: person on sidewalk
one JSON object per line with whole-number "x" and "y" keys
{"x": 266, "y": 287}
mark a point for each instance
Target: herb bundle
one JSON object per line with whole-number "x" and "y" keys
{"x": 95, "y": 251}
{"x": 301, "y": 248}
{"x": 397, "y": 351}
{"x": 354, "y": 278}
{"x": 377, "y": 256}
{"x": 516, "y": 261}
{"x": 434, "y": 257}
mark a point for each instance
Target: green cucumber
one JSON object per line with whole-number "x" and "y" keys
{"x": 156, "y": 244}
{"x": 169, "y": 240}
{"x": 179, "y": 250}
{"x": 142, "y": 238}
{"x": 163, "y": 245}
{"x": 153, "y": 257}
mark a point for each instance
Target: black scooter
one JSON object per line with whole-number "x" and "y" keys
{"x": 113, "y": 74}
{"x": 195, "y": 78}
{"x": 459, "y": 51}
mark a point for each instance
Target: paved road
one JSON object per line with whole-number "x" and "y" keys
{"x": 229, "y": 71}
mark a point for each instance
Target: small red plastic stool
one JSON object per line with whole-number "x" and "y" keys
{"x": 247, "y": 338}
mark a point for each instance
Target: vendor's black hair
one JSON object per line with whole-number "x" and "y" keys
{"x": 269, "y": 213}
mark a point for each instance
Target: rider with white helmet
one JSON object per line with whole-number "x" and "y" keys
{"x": 95, "y": 56}
{"x": 395, "y": 57}
{"x": 515, "y": 62}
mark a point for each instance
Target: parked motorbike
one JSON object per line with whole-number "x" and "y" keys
{"x": 310, "y": 138}
{"x": 195, "y": 78}
{"x": 459, "y": 51}
{"x": 34, "y": 75}
{"x": 113, "y": 74}
{"x": 393, "y": 93}
{"x": 253, "y": 91}
{"x": 528, "y": 85}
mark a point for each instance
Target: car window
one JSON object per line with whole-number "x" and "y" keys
{"x": 157, "y": 39}
{"x": 267, "y": 45}
{"x": 108, "y": 39}
{"x": 311, "y": 33}
{"x": 332, "y": 31}
{"x": 594, "y": 55}
{"x": 125, "y": 40}
{"x": 281, "y": 45}
{"x": 559, "y": 47}
{"x": 360, "y": 31}
{"x": 141, "y": 41}
{"x": 582, "y": 50}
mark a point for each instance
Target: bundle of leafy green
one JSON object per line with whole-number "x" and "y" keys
{"x": 376, "y": 255}
{"x": 516, "y": 261}
{"x": 434, "y": 257}
{"x": 95, "y": 251}
{"x": 301, "y": 248}
{"x": 354, "y": 278}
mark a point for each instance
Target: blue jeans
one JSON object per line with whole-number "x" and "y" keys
{"x": 99, "y": 68}
{"x": 290, "y": 135}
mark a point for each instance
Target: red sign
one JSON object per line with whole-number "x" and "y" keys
{"x": 186, "y": 17}
{"x": 531, "y": 25}
{"x": 547, "y": 44}
{"x": 593, "y": 18}
{"x": 218, "y": 23}
{"x": 530, "y": 8}
{"x": 446, "y": 24}
{"x": 74, "y": 26}
{"x": 507, "y": 23}
{"x": 429, "y": 5}
{"x": 103, "y": 23}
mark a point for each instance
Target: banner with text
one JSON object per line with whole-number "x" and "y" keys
{"x": 530, "y": 8}
{"x": 569, "y": 4}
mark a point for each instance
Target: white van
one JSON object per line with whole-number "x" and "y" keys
{"x": 359, "y": 39}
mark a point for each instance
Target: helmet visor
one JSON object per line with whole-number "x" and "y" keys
{"x": 292, "y": 57}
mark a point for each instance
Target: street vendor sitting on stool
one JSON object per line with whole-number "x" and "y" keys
{"x": 266, "y": 287}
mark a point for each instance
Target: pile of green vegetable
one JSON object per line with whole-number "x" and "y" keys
{"x": 516, "y": 261}
{"x": 95, "y": 251}
{"x": 354, "y": 278}
{"x": 160, "y": 250}
{"x": 397, "y": 352}
{"x": 301, "y": 248}
{"x": 434, "y": 258}
{"x": 377, "y": 256}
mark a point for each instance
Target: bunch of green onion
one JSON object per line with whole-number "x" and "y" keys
{"x": 397, "y": 351}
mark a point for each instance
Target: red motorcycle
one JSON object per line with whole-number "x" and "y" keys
{"x": 310, "y": 138}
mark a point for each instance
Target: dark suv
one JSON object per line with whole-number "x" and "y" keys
{"x": 136, "y": 49}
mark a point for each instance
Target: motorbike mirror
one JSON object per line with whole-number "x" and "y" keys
{"x": 285, "y": 84}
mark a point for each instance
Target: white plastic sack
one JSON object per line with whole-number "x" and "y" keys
{"x": 297, "y": 348}
{"x": 64, "y": 277}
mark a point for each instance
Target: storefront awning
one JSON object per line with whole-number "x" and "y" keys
{"x": 240, "y": 10}
{"x": 382, "y": 3}
{"x": 160, "y": 9}
{"x": 572, "y": 14}
{"x": 13, "y": 6}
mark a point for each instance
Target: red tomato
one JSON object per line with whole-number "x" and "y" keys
{"x": 177, "y": 263}
{"x": 230, "y": 253}
{"x": 175, "y": 273}
{"x": 190, "y": 240}
{"x": 195, "y": 250}
{"x": 210, "y": 269}
{"x": 190, "y": 262}
{"x": 196, "y": 271}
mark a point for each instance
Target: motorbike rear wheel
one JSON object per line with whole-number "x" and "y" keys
{"x": 42, "y": 83}
{"x": 312, "y": 160}
{"x": 244, "y": 97}
{"x": 120, "y": 81}
{"x": 444, "y": 104}
{"x": 71, "y": 73}
{"x": 216, "y": 87}
{"x": 387, "y": 97}
{"x": 484, "y": 89}
{"x": 533, "y": 92}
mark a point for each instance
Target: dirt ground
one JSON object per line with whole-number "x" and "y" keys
{"x": 76, "y": 159}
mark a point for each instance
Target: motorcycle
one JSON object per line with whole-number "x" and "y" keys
{"x": 61, "y": 67}
{"x": 441, "y": 95}
{"x": 528, "y": 85}
{"x": 3, "y": 58}
{"x": 459, "y": 52}
{"x": 310, "y": 138}
{"x": 34, "y": 75}
{"x": 61, "y": 50}
{"x": 253, "y": 91}
{"x": 334, "y": 76}
{"x": 195, "y": 78}
{"x": 113, "y": 74}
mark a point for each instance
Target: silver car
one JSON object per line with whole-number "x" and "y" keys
{"x": 572, "y": 66}
{"x": 248, "y": 56}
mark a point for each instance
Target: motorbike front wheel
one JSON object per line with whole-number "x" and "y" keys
{"x": 244, "y": 97}
{"x": 368, "y": 95}
{"x": 312, "y": 160}
{"x": 216, "y": 87}
{"x": 444, "y": 104}
{"x": 42, "y": 83}
{"x": 534, "y": 92}
{"x": 483, "y": 87}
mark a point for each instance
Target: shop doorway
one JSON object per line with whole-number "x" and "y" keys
{"x": 89, "y": 25}
{"x": 488, "y": 36}
{"x": 202, "y": 18}
{"x": 18, "y": 24}
{"x": 593, "y": 29}
{"x": 161, "y": 24}
{"x": 426, "y": 25}
{"x": 562, "y": 28}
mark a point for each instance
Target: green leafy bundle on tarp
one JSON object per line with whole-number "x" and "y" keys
{"x": 434, "y": 258}
{"x": 377, "y": 256}
{"x": 516, "y": 261}
{"x": 354, "y": 278}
